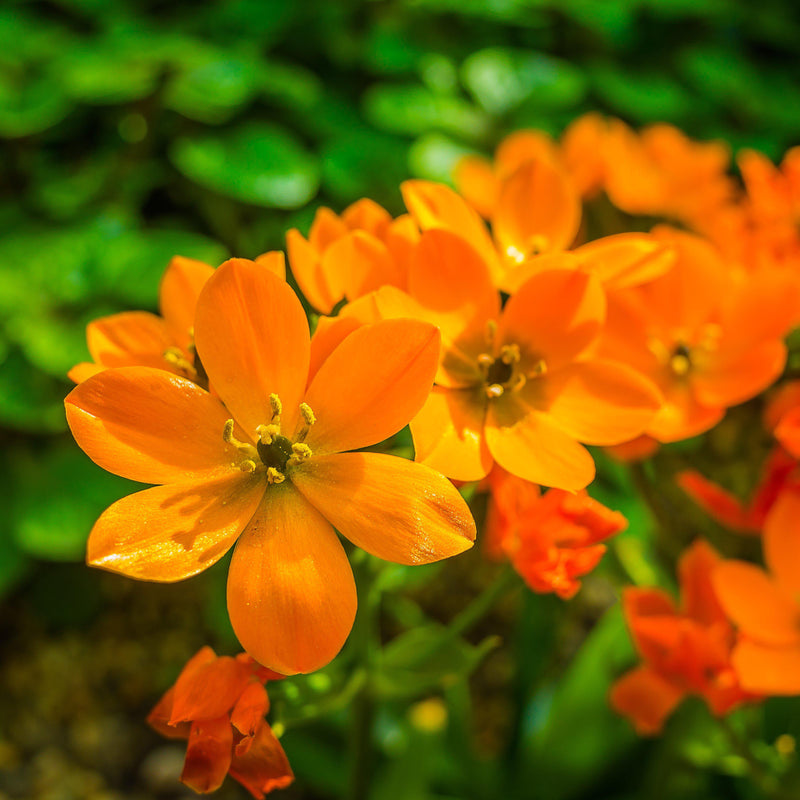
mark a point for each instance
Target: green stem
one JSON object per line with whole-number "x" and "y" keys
{"x": 484, "y": 602}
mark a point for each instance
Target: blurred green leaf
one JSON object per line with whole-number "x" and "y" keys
{"x": 213, "y": 86}
{"x": 30, "y": 400}
{"x": 256, "y": 163}
{"x": 30, "y": 105}
{"x": 413, "y": 109}
{"x": 578, "y": 738}
{"x": 60, "y": 494}
{"x": 500, "y": 79}
{"x": 426, "y": 658}
{"x": 434, "y": 156}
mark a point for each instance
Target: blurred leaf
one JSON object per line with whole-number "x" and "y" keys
{"x": 364, "y": 164}
{"x": 579, "y": 737}
{"x": 29, "y": 106}
{"x": 413, "y": 109}
{"x": 60, "y": 494}
{"x": 501, "y": 78}
{"x": 256, "y": 163}
{"x": 434, "y": 156}
{"x": 645, "y": 96}
{"x": 290, "y": 85}
{"x": 108, "y": 72}
{"x": 427, "y": 658}
{"x": 213, "y": 86}
{"x": 134, "y": 261}
{"x": 30, "y": 400}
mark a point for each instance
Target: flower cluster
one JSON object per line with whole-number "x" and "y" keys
{"x": 510, "y": 324}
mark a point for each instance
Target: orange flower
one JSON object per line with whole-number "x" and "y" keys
{"x": 537, "y": 211}
{"x": 218, "y": 704}
{"x": 661, "y": 172}
{"x": 779, "y": 473}
{"x": 686, "y": 650}
{"x": 551, "y": 539}
{"x": 348, "y": 256}
{"x": 521, "y": 386}
{"x": 139, "y": 338}
{"x": 765, "y": 606}
{"x": 705, "y": 337}
{"x": 256, "y": 464}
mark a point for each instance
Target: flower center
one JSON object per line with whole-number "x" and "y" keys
{"x": 680, "y": 361}
{"x": 273, "y": 453}
{"x": 503, "y": 373}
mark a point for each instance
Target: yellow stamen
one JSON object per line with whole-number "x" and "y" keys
{"x": 538, "y": 369}
{"x": 309, "y": 418}
{"x": 267, "y": 433}
{"x": 248, "y": 465}
{"x": 175, "y": 357}
{"x": 490, "y": 332}
{"x": 275, "y": 476}
{"x": 680, "y": 364}
{"x": 515, "y": 254}
{"x": 509, "y": 354}
{"x": 494, "y": 390}
{"x": 277, "y": 407}
{"x": 300, "y": 452}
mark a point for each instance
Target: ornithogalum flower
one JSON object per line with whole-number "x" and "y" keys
{"x": 139, "y": 338}
{"x": 551, "y": 539}
{"x": 349, "y": 255}
{"x": 707, "y": 337}
{"x": 519, "y": 386}
{"x": 686, "y": 650}
{"x": 765, "y": 606}
{"x": 261, "y": 460}
{"x": 218, "y": 704}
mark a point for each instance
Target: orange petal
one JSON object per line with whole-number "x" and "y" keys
{"x": 395, "y": 509}
{"x": 717, "y": 502}
{"x": 209, "y": 691}
{"x": 367, "y": 215}
{"x": 449, "y": 277}
{"x": 252, "y": 336}
{"x": 626, "y": 259}
{"x": 260, "y": 764}
{"x": 726, "y": 383}
{"x": 645, "y": 698}
{"x": 328, "y": 335}
{"x": 132, "y": 338}
{"x": 555, "y": 316}
{"x": 208, "y": 755}
{"x": 249, "y": 711}
{"x": 448, "y": 433}
{"x": 600, "y": 402}
{"x": 755, "y": 604}
{"x": 476, "y": 183}
{"x": 180, "y": 287}
{"x": 80, "y": 372}
{"x": 372, "y": 384}
{"x": 529, "y": 445}
{"x": 291, "y": 593}
{"x": 537, "y": 211}
{"x": 149, "y": 425}
{"x": 459, "y": 351}
{"x": 361, "y": 263}
{"x": 767, "y": 670}
{"x": 306, "y": 263}
{"x": 434, "y": 205}
{"x": 169, "y": 533}
{"x": 782, "y": 543}
{"x": 698, "y": 598}
{"x": 682, "y": 415}
{"x": 274, "y": 261}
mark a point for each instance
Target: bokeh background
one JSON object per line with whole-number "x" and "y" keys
{"x": 133, "y": 131}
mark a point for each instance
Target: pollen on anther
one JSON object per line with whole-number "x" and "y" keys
{"x": 494, "y": 390}
{"x": 308, "y": 415}
{"x": 276, "y": 405}
{"x": 275, "y": 476}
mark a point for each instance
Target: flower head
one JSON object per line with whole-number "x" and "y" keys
{"x": 686, "y": 650}
{"x": 551, "y": 539}
{"x": 261, "y": 462}
{"x": 218, "y": 703}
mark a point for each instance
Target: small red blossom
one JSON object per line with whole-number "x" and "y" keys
{"x": 551, "y": 539}
{"x": 686, "y": 649}
{"x": 218, "y": 703}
